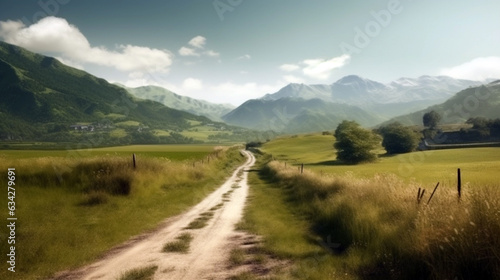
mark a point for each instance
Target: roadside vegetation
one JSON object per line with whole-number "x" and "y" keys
{"x": 380, "y": 229}
{"x": 90, "y": 204}
{"x": 337, "y": 221}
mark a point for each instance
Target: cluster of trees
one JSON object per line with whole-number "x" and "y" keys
{"x": 355, "y": 144}
{"x": 482, "y": 129}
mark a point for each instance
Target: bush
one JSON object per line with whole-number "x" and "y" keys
{"x": 355, "y": 144}
{"x": 108, "y": 176}
{"x": 398, "y": 139}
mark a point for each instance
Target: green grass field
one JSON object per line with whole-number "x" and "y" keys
{"x": 72, "y": 209}
{"x": 171, "y": 152}
{"x": 363, "y": 221}
{"x": 316, "y": 152}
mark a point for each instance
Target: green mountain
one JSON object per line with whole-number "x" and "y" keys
{"x": 481, "y": 101}
{"x": 184, "y": 103}
{"x": 296, "y": 115}
{"x": 41, "y": 98}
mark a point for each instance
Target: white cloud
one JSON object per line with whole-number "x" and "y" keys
{"x": 56, "y": 35}
{"x": 212, "y": 53}
{"x": 10, "y": 28}
{"x": 293, "y": 79}
{"x": 185, "y": 51}
{"x": 245, "y": 56}
{"x": 321, "y": 69}
{"x": 198, "y": 42}
{"x": 71, "y": 63}
{"x": 478, "y": 69}
{"x": 289, "y": 67}
{"x": 190, "y": 84}
{"x": 196, "y": 47}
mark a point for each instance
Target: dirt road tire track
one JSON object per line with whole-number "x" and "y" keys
{"x": 209, "y": 249}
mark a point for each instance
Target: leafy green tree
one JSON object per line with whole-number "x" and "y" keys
{"x": 398, "y": 139}
{"x": 355, "y": 144}
{"x": 431, "y": 119}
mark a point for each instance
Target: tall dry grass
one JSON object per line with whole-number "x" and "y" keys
{"x": 378, "y": 225}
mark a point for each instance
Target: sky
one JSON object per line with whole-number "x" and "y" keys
{"x": 229, "y": 51}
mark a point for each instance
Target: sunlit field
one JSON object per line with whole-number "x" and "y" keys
{"x": 316, "y": 152}
{"x": 366, "y": 220}
{"x": 72, "y": 209}
{"x": 171, "y": 152}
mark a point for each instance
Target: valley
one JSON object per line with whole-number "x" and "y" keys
{"x": 339, "y": 180}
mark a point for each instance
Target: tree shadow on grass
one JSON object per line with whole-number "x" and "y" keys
{"x": 329, "y": 163}
{"x": 387, "y": 155}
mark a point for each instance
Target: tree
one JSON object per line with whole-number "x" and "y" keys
{"x": 355, "y": 144}
{"x": 479, "y": 123}
{"x": 431, "y": 119}
{"x": 398, "y": 139}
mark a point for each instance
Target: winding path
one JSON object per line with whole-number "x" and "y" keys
{"x": 209, "y": 249}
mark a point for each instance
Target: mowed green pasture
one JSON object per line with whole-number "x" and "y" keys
{"x": 316, "y": 152}
{"x": 171, "y": 152}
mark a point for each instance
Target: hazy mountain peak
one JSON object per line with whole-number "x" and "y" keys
{"x": 405, "y": 82}
{"x": 351, "y": 79}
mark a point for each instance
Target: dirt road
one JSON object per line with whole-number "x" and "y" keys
{"x": 208, "y": 251}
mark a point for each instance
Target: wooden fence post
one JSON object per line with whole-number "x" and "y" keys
{"x": 433, "y": 193}
{"x": 133, "y": 159}
{"x": 301, "y": 168}
{"x": 459, "y": 184}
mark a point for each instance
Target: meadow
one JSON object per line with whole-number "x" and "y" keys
{"x": 363, "y": 221}
{"x": 425, "y": 168}
{"x": 171, "y": 152}
{"x": 73, "y": 206}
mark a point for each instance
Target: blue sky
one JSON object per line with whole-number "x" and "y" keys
{"x": 228, "y": 51}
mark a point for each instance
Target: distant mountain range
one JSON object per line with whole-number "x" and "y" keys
{"x": 296, "y": 115}
{"x": 481, "y": 101}
{"x": 42, "y": 98}
{"x": 387, "y": 100}
{"x": 184, "y": 103}
{"x": 304, "y": 108}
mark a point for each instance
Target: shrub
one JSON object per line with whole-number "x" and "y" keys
{"x": 355, "y": 144}
{"x": 398, "y": 139}
{"x": 110, "y": 176}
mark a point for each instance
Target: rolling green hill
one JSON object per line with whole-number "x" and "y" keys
{"x": 482, "y": 101}
{"x": 41, "y": 98}
{"x": 184, "y": 103}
